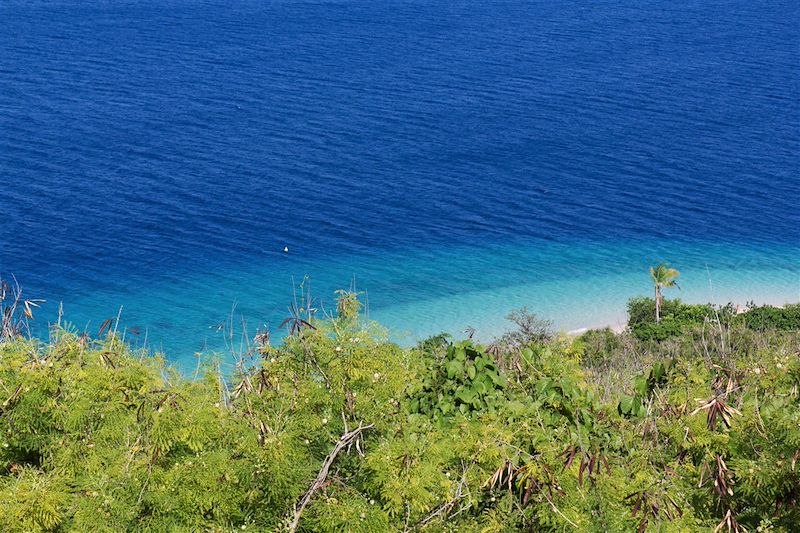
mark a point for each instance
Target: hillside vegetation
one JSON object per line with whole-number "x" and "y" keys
{"x": 688, "y": 424}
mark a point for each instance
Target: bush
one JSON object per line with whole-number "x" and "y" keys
{"x": 678, "y": 317}
{"x": 95, "y": 437}
{"x": 771, "y": 318}
{"x": 530, "y": 329}
{"x": 599, "y": 345}
{"x": 466, "y": 382}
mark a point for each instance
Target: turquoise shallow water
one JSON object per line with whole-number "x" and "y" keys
{"x": 421, "y": 292}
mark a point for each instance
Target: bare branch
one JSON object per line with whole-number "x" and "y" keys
{"x": 342, "y": 443}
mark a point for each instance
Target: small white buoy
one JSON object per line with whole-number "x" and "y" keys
{"x": 285, "y": 249}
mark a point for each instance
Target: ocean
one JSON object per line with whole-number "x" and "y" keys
{"x": 451, "y": 160}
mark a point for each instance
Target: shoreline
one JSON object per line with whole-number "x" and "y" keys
{"x": 619, "y": 328}
{"x": 493, "y": 324}
{"x": 620, "y": 325}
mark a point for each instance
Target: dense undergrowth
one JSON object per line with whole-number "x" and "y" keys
{"x": 338, "y": 429}
{"x": 678, "y": 317}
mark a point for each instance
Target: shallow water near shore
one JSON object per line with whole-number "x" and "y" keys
{"x": 457, "y": 160}
{"x": 418, "y": 293}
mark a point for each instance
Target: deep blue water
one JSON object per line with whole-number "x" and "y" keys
{"x": 457, "y": 158}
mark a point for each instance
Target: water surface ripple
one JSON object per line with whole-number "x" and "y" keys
{"x": 458, "y": 158}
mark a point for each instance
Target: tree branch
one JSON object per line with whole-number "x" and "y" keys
{"x": 342, "y": 443}
{"x": 445, "y": 507}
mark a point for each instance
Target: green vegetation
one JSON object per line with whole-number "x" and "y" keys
{"x": 678, "y": 318}
{"x": 338, "y": 429}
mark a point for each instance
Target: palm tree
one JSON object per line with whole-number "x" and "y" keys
{"x": 662, "y": 276}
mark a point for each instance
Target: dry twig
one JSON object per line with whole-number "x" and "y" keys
{"x": 343, "y": 442}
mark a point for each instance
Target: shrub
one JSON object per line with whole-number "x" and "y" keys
{"x": 771, "y": 318}
{"x": 465, "y": 382}
{"x": 95, "y": 437}
{"x": 530, "y": 329}
{"x": 676, "y": 317}
{"x": 599, "y": 345}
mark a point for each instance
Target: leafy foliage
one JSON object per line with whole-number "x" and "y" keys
{"x": 766, "y": 317}
{"x": 467, "y": 381}
{"x": 643, "y": 387}
{"x": 676, "y": 316}
{"x": 599, "y": 345}
{"x": 603, "y": 432}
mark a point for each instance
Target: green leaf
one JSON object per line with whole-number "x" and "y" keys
{"x": 625, "y": 406}
{"x": 460, "y": 354}
{"x": 454, "y": 368}
{"x": 658, "y": 372}
{"x": 471, "y": 371}
{"x": 466, "y": 396}
{"x": 640, "y": 386}
{"x": 499, "y": 381}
